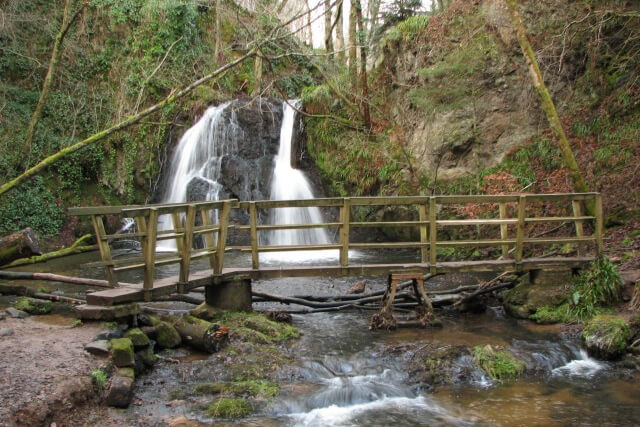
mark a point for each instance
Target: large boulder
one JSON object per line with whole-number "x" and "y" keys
{"x": 606, "y": 337}
{"x": 536, "y": 290}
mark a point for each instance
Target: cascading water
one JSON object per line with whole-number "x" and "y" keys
{"x": 291, "y": 184}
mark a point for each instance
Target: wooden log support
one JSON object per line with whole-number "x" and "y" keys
{"x": 209, "y": 239}
{"x": 222, "y": 237}
{"x": 150, "y": 253}
{"x": 187, "y": 246}
{"x": 103, "y": 247}
{"x": 200, "y": 334}
{"x": 433, "y": 251}
{"x": 504, "y": 230}
{"x": 253, "y": 223}
{"x": 345, "y": 217}
{"x": 599, "y": 225}
{"x": 577, "y": 212}
{"x": 424, "y": 235}
{"x": 177, "y": 224}
{"x": 385, "y": 319}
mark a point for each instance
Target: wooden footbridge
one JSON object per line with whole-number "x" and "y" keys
{"x": 516, "y": 230}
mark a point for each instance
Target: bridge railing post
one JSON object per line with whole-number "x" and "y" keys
{"x": 522, "y": 206}
{"x": 222, "y": 236}
{"x": 150, "y": 252}
{"x": 424, "y": 234}
{"x": 576, "y": 207}
{"x": 105, "y": 250}
{"x": 345, "y": 217}
{"x": 599, "y": 226}
{"x": 253, "y": 228}
{"x": 504, "y": 230}
{"x": 186, "y": 245}
{"x": 433, "y": 239}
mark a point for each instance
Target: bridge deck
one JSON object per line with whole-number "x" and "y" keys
{"x": 169, "y": 285}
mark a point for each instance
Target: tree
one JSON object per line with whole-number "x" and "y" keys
{"x": 339, "y": 31}
{"x": 363, "y": 66}
{"x": 328, "y": 38}
{"x": 546, "y": 101}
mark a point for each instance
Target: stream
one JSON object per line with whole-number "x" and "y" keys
{"x": 346, "y": 375}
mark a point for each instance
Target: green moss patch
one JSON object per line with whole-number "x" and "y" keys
{"x": 122, "y": 352}
{"x": 606, "y": 336}
{"x": 34, "y": 306}
{"x": 226, "y": 407}
{"x": 137, "y": 337}
{"x": 167, "y": 336}
{"x": 253, "y": 388}
{"x": 256, "y": 328}
{"x": 499, "y": 364}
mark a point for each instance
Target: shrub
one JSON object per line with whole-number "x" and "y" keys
{"x": 597, "y": 286}
{"x": 498, "y": 364}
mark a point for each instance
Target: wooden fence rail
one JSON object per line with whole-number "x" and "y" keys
{"x": 211, "y": 220}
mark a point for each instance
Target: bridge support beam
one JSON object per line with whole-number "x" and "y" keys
{"x": 232, "y": 295}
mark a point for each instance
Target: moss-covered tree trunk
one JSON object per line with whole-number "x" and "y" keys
{"x": 339, "y": 32}
{"x": 547, "y": 102}
{"x": 67, "y": 22}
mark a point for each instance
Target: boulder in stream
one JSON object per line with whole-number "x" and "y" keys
{"x": 535, "y": 290}
{"x": 34, "y": 306}
{"x": 606, "y": 337}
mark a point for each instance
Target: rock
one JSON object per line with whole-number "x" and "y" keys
{"x": 109, "y": 335}
{"x": 358, "y": 288}
{"x": 205, "y": 311}
{"x": 167, "y": 336}
{"x": 148, "y": 320}
{"x": 606, "y": 337}
{"x": 630, "y": 277}
{"x": 5, "y": 332}
{"x": 122, "y": 352}
{"x": 137, "y": 337}
{"x": 34, "y": 306}
{"x": 16, "y": 314}
{"x": 147, "y": 357}
{"x": 3, "y": 315}
{"x": 529, "y": 295}
{"x": 120, "y": 390}
{"x": 149, "y": 331}
{"x": 98, "y": 347}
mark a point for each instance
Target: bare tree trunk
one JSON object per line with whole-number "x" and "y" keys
{"x": 67, "y": 21}
{"x": 257, "y": 74}
{"x": 328, "y": 38}
{"x": 309, "y": 26}
{"x": 339, "y": 32}
{"x": 353, "y": 49}
{"x": 546, "y": 101}
{"x": 363, "y": 68}
{"x": 374, "y": 9}
{"x": 216, "y": 50}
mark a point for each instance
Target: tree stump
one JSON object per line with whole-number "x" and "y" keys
{"x": 21, "y": 244}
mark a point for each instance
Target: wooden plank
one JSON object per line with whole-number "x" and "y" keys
{"x": 576, "y": 207}
{"x": 449, "y": 200}
{"x": 424, "y": 234}
{"x": 222, "y": 237}
{"x": 389, "y": 245}
{"x": 289, "y": 248}
{"x": 98, "y": 210}
{"x": 474, "y": 243}
{"x": 389, "y": 223}
{"x": 561, "y": 197}
{"x": 433, "y": 233}
{"x": 187, "y": 247}
{"x": 550, "y": 240}
{"x": 387, "y": 201}
{"x": 488, "y": 221}
{"x": 599, "y": 225}
{"x": 580, "y": 219}
{"x": 504, "y": 230}
{"x": 103, "y": 247}
{"x": 303, "y": 203}
{"x": 295, "y": 226}
{"x": 522, "y": 206}
{"x": 111, "y": 237}
{"x": 345, "y": 217}
{"x": 253, "y": 222}
{"x": 150, "y": 253}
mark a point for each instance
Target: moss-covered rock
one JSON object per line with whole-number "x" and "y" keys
{"x": 256, "y": 328}
{"x": 137, "y": 337}
{"x": 253, "y": 388}
{"x": 606, "y": 337}
{"x": 147, "y": 357}
{"x": 206, "y": 311}
{"x": 122, "y": 352}
{"x": 34, "y": 306}
{"x": 226, "y": 407}
{"x": 498, "y": 363}
{"x": 167, "y": 336}
{"x": 527, "y": 297}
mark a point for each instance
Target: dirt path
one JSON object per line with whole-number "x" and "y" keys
{"x": 43, "y": 368}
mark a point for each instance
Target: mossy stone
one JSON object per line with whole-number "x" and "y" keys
{"x": 122, "y": 352}
{"x": 526, "y": 297}
{"x": 254, "y": 388}
{"x": 137, "y": 337}
{"x": 34, "y": 306}
{"x": 498, "y": 363}
{"x": 227, "y": 407}
{"x": 126, "y": 373}
{"x": 167, "y": 336}
{"x": 606, "y": 336}
{"x": 147, "y": 356}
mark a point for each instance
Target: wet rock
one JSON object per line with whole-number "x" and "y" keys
{"x": 120, "y": 390}
{"x": 167, "y": 336}
{"x": 198, "y": 189}
{"x": 34, "y": 306}
{"x": 98, "y": 347}
{"x": 5, "y": 332}
{"x": 606, "y": 337}
{"x": 122, "y": 352}
{"x": 149, "y": 331}
{"x": 148, "y": 319}
{"x": 527, "y": 296}
{"x": 147, "y": 357}
{"x": 138, "y": 338}
{"x": 15, "y": 313}
{"x": 109, "y": 335}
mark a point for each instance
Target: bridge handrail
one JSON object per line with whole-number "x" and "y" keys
{"x": 183, "y": 217}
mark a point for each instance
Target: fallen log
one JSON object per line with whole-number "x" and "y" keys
{"x": 200, "y": 334}
{"x": 75, "y": 248}
{"x": 25, "y": 275}
{"x": 21, "y": 290}
{"x": 181, "y": 298}
{"x": 21, "y": 244}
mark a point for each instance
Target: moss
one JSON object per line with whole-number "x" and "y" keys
{"x": 126, "y": 373}
{"x": 122, "y": 352}
{"x": 226, "y": 407}
{"x": 559, "y": 314}
{"x": 147, "y": 356}
{"x": 112, "y": 326}
{"x": 606, "y": 336}
{"x": 253, "y": 388}
{"x": 256, "y": 328}
{"x": 34, "y": 306}
{"x": 497, "y": 363}
{"x": 167, "y": 336}
{"x": 99, "y": 378}
{"x": 137, "y": 337}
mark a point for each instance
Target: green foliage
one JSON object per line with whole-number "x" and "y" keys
{"x": 256, "y": 328}
{"x": 412, "y": 26}
{"x": 99, "y": 378}
{"x": 33, "y": 206}
{"x": 253, "y": 388}
{"x": 607, "y": 335}
{"x": 596, "y": 286}
{"x": 112, "y": 326}
{"x": 34, "y": 306}
{"x": 498, "y": 364}
{"x": 558, "y": 314}
{"x": 226, "y": 407}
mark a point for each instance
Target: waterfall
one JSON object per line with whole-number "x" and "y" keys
{"x": 291, "y": 184}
